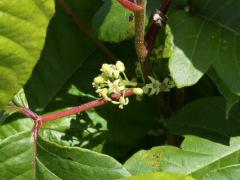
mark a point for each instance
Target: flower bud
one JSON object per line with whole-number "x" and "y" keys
{"x": 137, "y": 91}
{"x": 120, "y": 66}
{"x": 105, "y": 67}
{"x": 99, "y": 80}
{"x": 116, "y": 74}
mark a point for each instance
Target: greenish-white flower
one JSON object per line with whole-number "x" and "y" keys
{"x": 121, "y": 102}
{"x": 103, "y": 93}
{"x": 115, "y": 87}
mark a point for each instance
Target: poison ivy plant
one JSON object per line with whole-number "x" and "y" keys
{"x": 69, "y": 130}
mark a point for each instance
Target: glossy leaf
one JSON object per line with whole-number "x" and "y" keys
{"x": 16, "y": 156}
{"x": 197, "y": 157}
{"x": 210, "y": 39}
{"x": 77, "y": 163}
{"x": 54, "y": 161}
{"x": 195, "y": 47}
{"x": 23, "y": 26}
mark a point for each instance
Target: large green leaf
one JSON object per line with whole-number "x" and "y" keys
{"x": 77, "y": 163}
{"x": 66, "y": 48}
{"x": 206, "y": 118}
{"x": 158, "y": 176}
{"x": 224, "y": 13}
{"x": 208, "y": 38}
{"x": 54, "y": 161}
{"x": 197, "y": 157}
{"x": 23, "y": 25}
{"x": 195, "y": 41}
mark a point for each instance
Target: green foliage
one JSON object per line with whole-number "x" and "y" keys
{"x": 22, "y": 35}
{"x": 199, "y": 48}
{"x": 197, "y": 157}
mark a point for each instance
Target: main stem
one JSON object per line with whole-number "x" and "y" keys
{"x": 140, "y": 47}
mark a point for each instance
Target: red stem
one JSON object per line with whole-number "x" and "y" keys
{"x": 73, "y": 110}
{"x": 130, "y": 5}
{"x": 83, "y": 107}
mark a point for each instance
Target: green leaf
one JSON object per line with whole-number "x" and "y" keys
{"x": 20, "y": 99}
{"x": 232, "y": 99}
{"x": 195, "y": 50}
{"x": 206, "y": 118}
{"x": 16, "y": 156}
{"x": 157, "y": 176}
{"x": 227, "y": 64}
{"x": 23, "y": 26}
{"x": 197, "y": 157}
{"x": 78, "y": 163}
{"x": 206, "y": 39}
{"x": 54, "y": 161}
{"x": 113, "y": 22}
{"x": 66, "y": 48}
{"x": 226, "y": 173}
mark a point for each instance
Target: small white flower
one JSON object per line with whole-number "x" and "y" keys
{"x": 115, "y": 87}
{"x": 122, "y": 102}
{"x": 103, "y": 93}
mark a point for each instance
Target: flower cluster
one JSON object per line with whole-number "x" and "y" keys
{"x": 113, "y": 80}
{"x": 155, "y": 87}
